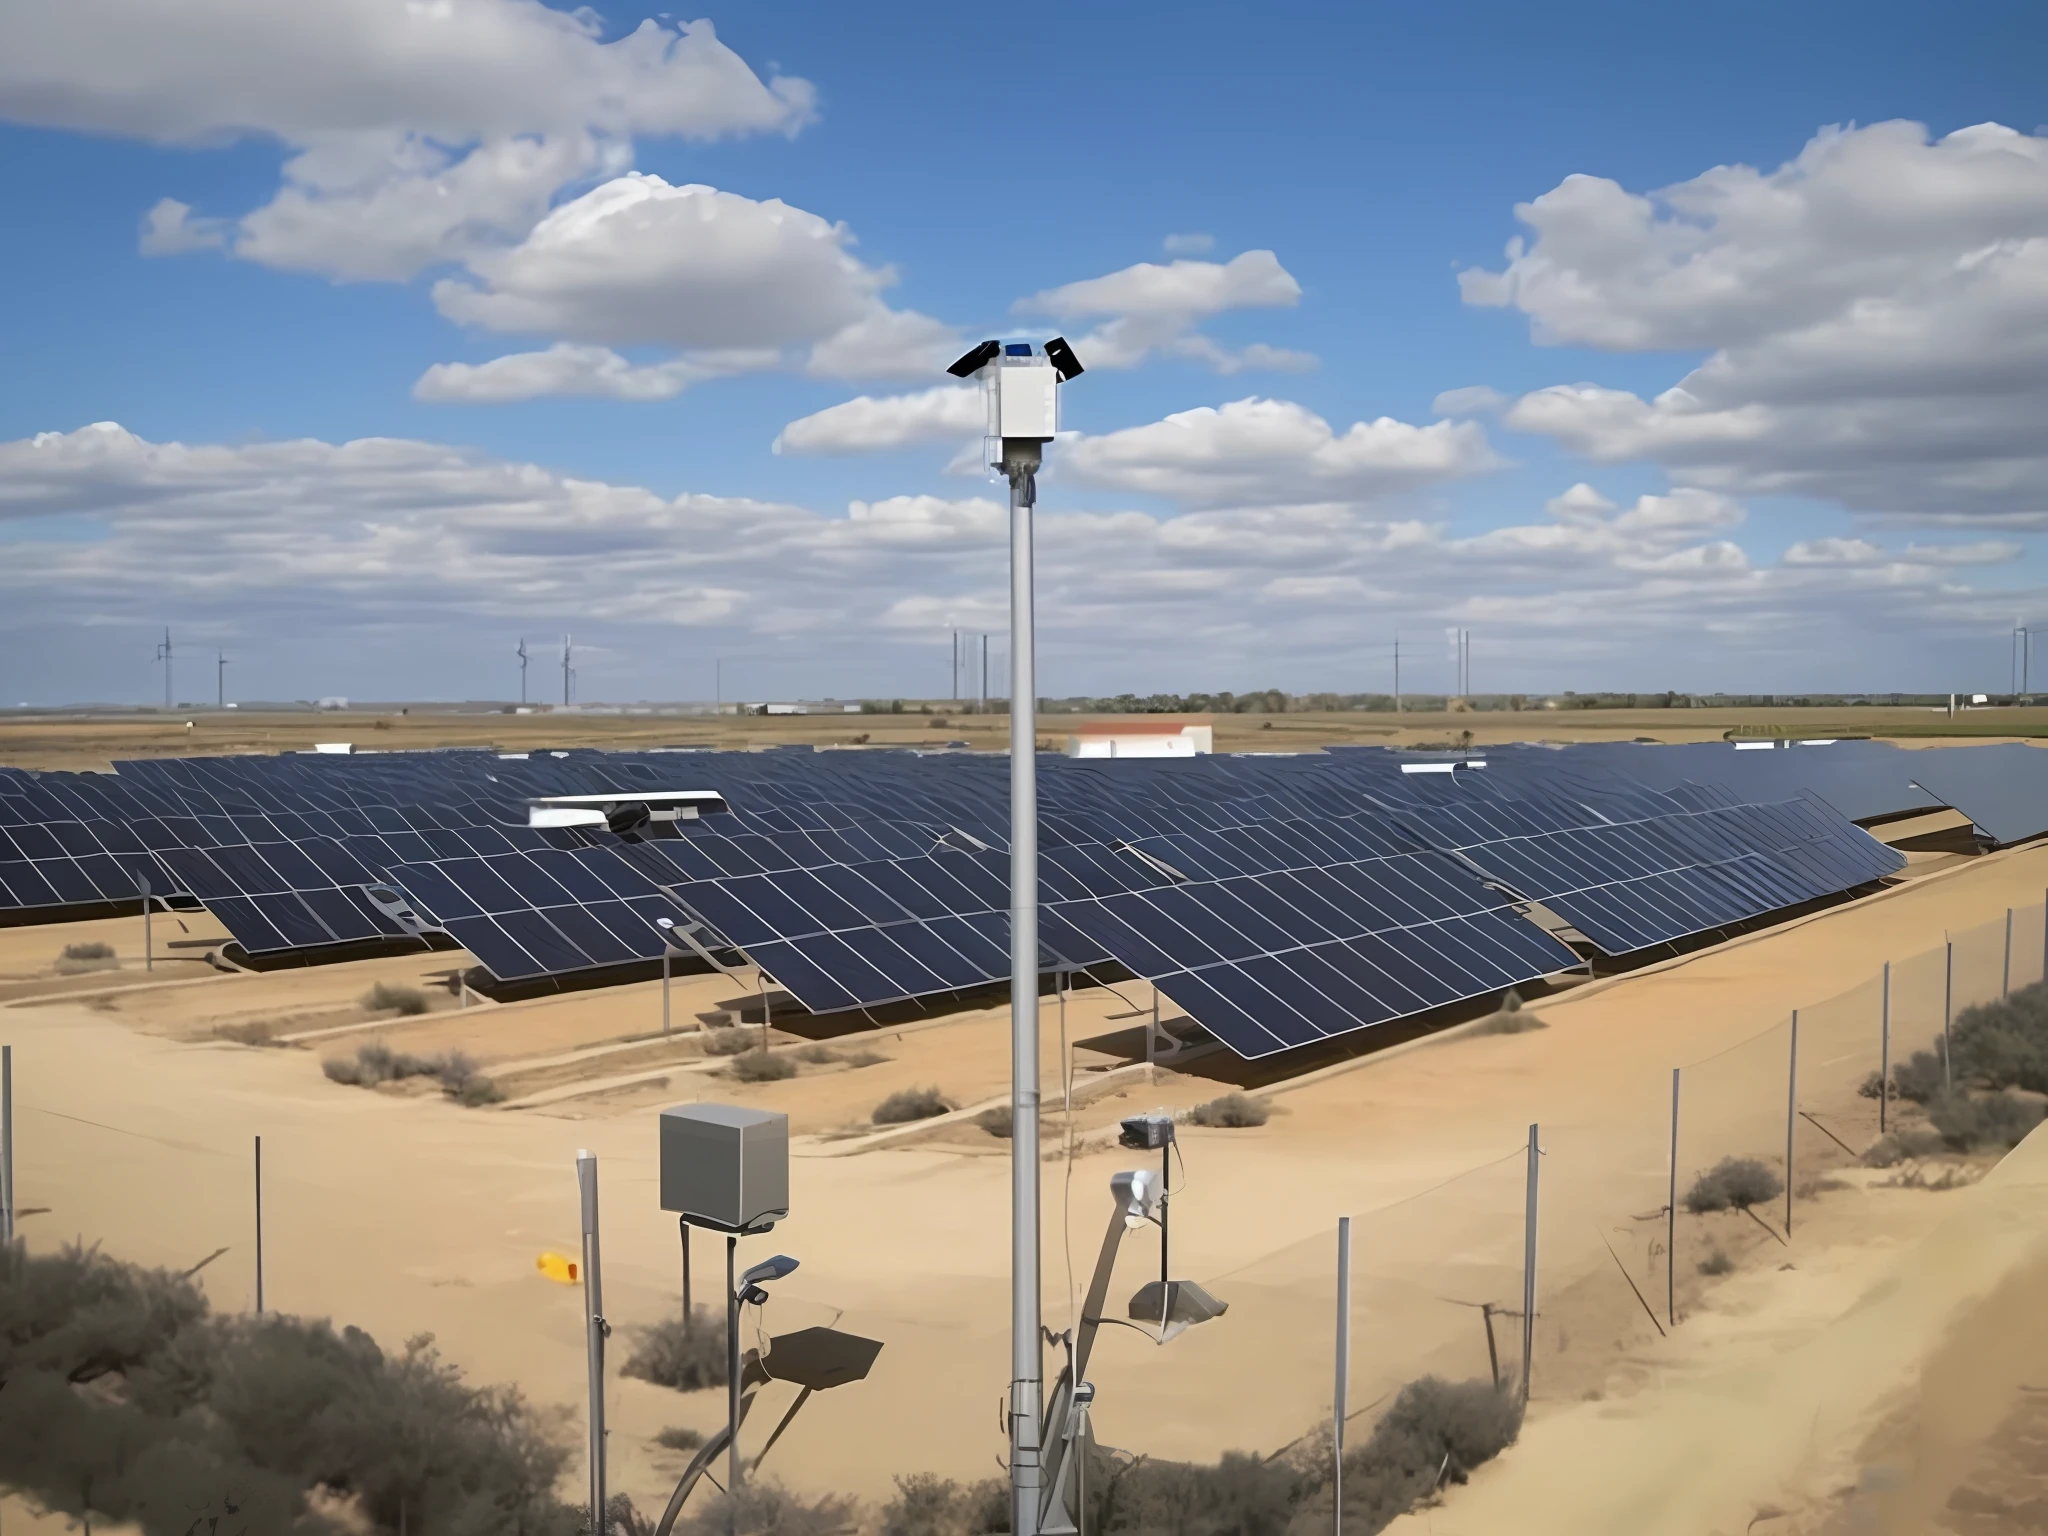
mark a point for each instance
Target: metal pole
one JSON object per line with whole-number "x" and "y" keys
{"x": 1529, "y": 1267}
{"x": 732, "y": 1372}
{"x": 683, "y": 1224}
{"x": 2005, "y": 976}
{"x": 1671, "y": 1217}
{"x": 1884, "y": 1052}
{"x": 259, "y": 1226}
{"x": 594, "y": 1330}
{"x": 1343, "y": 1392}
{"x": 1948, "y": 997}
{"x": 1791, "y": 1116}
{"x": 6, "y": 1145}
{"x": 1027, "y": 1366}
{"x": 664, "y": 987}
{"x": 148, "y": 949}
{"x": 1152, "y": 1040}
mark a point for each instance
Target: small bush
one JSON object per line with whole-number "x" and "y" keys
{"x": 684, "y": 1360}
{"x": 1919, "y": 1077}
{"x": 478, "y": 1091}
{"x": 999, "y": 1120}
{"x": 864, "y": 1059}
{"x": 1716, "y": 1263}
{"x": 817, "y": 1054}
{"x": 761, "y": 1067}
{"x": 676, "y": 1438}
{"x": 386, "y": 997}
{"x": 1436, "y": 1433}
{"x": 929, "y": 1505}
{"x": 91, "y": 955}
{"x": 730, "y": 1040}
{"x": 1234, "y": 1111}
{"x": 769, "y": 1509}
{"x": 341, "y": 1069}
{"x": 454, "y": 1070}
{"x": 1990, "y": 1123}
{"x": 910, "y": 1104}
{"x": 1734, "y": 1183}
{"x": 1899, "y": 1146}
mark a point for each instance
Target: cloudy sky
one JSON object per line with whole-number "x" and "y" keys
{"x": 358, "y": 339}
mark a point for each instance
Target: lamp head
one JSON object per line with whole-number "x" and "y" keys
{"x": 776, "y": 1268}
{"x": 1137, "y": 1191}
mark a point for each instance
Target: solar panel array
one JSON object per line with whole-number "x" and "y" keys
{"x": 1278, "y": 899}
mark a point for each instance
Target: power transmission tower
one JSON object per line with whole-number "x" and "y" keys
{"x": 163, "y": 654}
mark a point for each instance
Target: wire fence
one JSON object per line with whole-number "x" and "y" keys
{"x": 1633, "y": 1215}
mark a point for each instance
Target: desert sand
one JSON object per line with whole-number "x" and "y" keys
{"x": 404, "y": 1213}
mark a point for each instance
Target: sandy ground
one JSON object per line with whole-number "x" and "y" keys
{"x": 1860, "y": 1389}
{"x": 407, "y": 1213}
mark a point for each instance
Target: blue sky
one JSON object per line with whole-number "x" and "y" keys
{"x": 1375, "y": 152}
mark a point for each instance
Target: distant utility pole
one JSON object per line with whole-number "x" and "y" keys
{"x": 163, "y": 654}
{"x": 1465, "y": 663}
{"x": 956, "y": 667}
{"x": 522, "y": 669}
{"x": 1397, "y": 674}
{"x": 220, "y": 680}
{"x": 567, "y": 651}
{"x": 984, "y": 674}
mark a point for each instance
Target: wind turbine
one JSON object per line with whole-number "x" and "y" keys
{"x": 522, "y": 669}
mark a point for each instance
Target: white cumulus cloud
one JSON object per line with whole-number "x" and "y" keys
{"x": 869, "y": 422}
{"x": 569, "y": 369}
{"x": 1875, "y": 310}
{"x": 425, "y": 549}
{"x": 1256, "y": 452}
{"x": 1151, "y": 308}
{"x": 420, "y": 129}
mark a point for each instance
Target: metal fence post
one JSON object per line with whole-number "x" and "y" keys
{"x": 6, "y": 1144}
{"x": 595, "y": 1329}
{"x": 1791, "y": 1116}
{"x": 1671, "y": 1216}
{"x": 2005, "y": 976}
{"x": 259, "y": 1226}
{"x": 1343, "y": 1392}
{"x": 1529, "y": 1267}
{"x": 1884, "y": 1051}
{"x": 1948, "y": 999}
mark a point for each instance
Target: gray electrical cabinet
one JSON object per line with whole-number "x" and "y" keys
{"x": 724, "y": 1167}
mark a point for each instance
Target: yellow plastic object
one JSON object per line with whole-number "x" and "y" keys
{"x": 557, "y": 1268}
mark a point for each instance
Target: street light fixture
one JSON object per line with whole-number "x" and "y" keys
{"x": 1022, "y": 382}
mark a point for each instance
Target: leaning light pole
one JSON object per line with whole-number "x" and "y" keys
{"x": 1023, "y": 383}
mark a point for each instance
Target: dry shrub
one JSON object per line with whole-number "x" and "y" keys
{"x": 1900, "y": 1146}
{"x": 1436, "y": 1433}
{"x": 184, "y": 1407}
{"x": 677, "y": 1438}
{"x": 999, "y": 1120}
{"x": 910, "y": 1104}
{"x": 88, "y": 955}
{"x": 389, "y": 997}
{"x": 1983, "y": 1123}
{"x": 761, "y": 1067}
{"x": 1716, "y": 1263}
{"x": 929, "y": 1505}
{"x": 377, "y": 1063}
{"x": 864, "y": 1059}
{"x": 477, "y": 1091}
{"x": 1734, "y": 1183}
{"x": 817, "y": 1054}
{"x": 1234, "y": 1111}
{"x": 682, "y": 1359}
{"x": 769, "y": 1509}
{"x": 728, "y": 1040}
